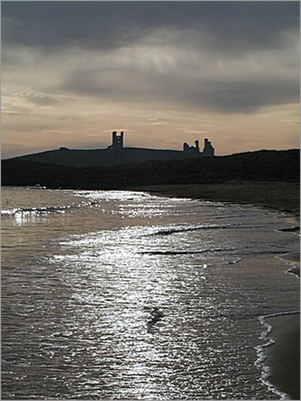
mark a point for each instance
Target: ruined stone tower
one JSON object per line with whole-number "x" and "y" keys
{"x": 117, "y": 140}
{"x": 208, "y": 148}
{"x": 195, "y": 150}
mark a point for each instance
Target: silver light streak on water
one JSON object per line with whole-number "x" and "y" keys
{"x": 82, "y": 271}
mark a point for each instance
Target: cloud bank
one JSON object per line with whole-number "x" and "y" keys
{"x": 136, "y": 58}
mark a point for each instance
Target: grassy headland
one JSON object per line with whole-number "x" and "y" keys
{"x": 264, "y": 178}
{"x": 265, "y": 165}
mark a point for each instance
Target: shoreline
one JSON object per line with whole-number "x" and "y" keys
{"x": 283, "y": 357}
{"x": 276, "y": 195}
{"x": 283, "y": 197}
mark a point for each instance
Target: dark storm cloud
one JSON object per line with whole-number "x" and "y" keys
{"x": 245, "y": 97}
{"x": 225, "y": 26}
{"x": 230, "y": 56}
{"x": 230, "y": 96}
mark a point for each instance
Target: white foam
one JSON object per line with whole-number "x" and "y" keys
{"x": 261, "y": 357}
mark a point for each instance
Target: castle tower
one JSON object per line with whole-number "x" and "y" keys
{"x": 117, "y": 140}
{"x": 208, "y": 148}
{"x": 197, "y": 145}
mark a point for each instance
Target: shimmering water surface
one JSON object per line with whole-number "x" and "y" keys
{"x": 82, "y": 271}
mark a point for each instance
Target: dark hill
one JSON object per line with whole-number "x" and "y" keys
{"x": 251, "y": 166}
{"x": 102, "y": 157}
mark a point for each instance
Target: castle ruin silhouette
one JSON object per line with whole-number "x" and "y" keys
{"x": 208, "y": 150}
{"x": 117, "y": 140}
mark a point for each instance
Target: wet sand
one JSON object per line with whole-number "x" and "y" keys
{"x": 282, "y": 196}
{"x": 283, "y": 357}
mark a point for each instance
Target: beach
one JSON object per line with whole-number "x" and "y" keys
{"x": 74, "y": 290}
{"x": 279, "y": 195}
{"x": 283, "y": 357}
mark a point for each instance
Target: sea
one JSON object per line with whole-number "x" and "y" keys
{"x": 82, "y": 272}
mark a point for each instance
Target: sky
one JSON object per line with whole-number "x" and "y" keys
{"x": 165, "y": 73}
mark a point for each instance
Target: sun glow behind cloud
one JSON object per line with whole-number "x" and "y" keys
{"x": 182, "y": 74}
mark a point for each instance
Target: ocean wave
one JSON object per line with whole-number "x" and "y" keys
{"x": 261, "y": 356}
{"x": 192, "y": 252}
{"x": 177, "y": 230}
{"x": 35, "y": 210}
